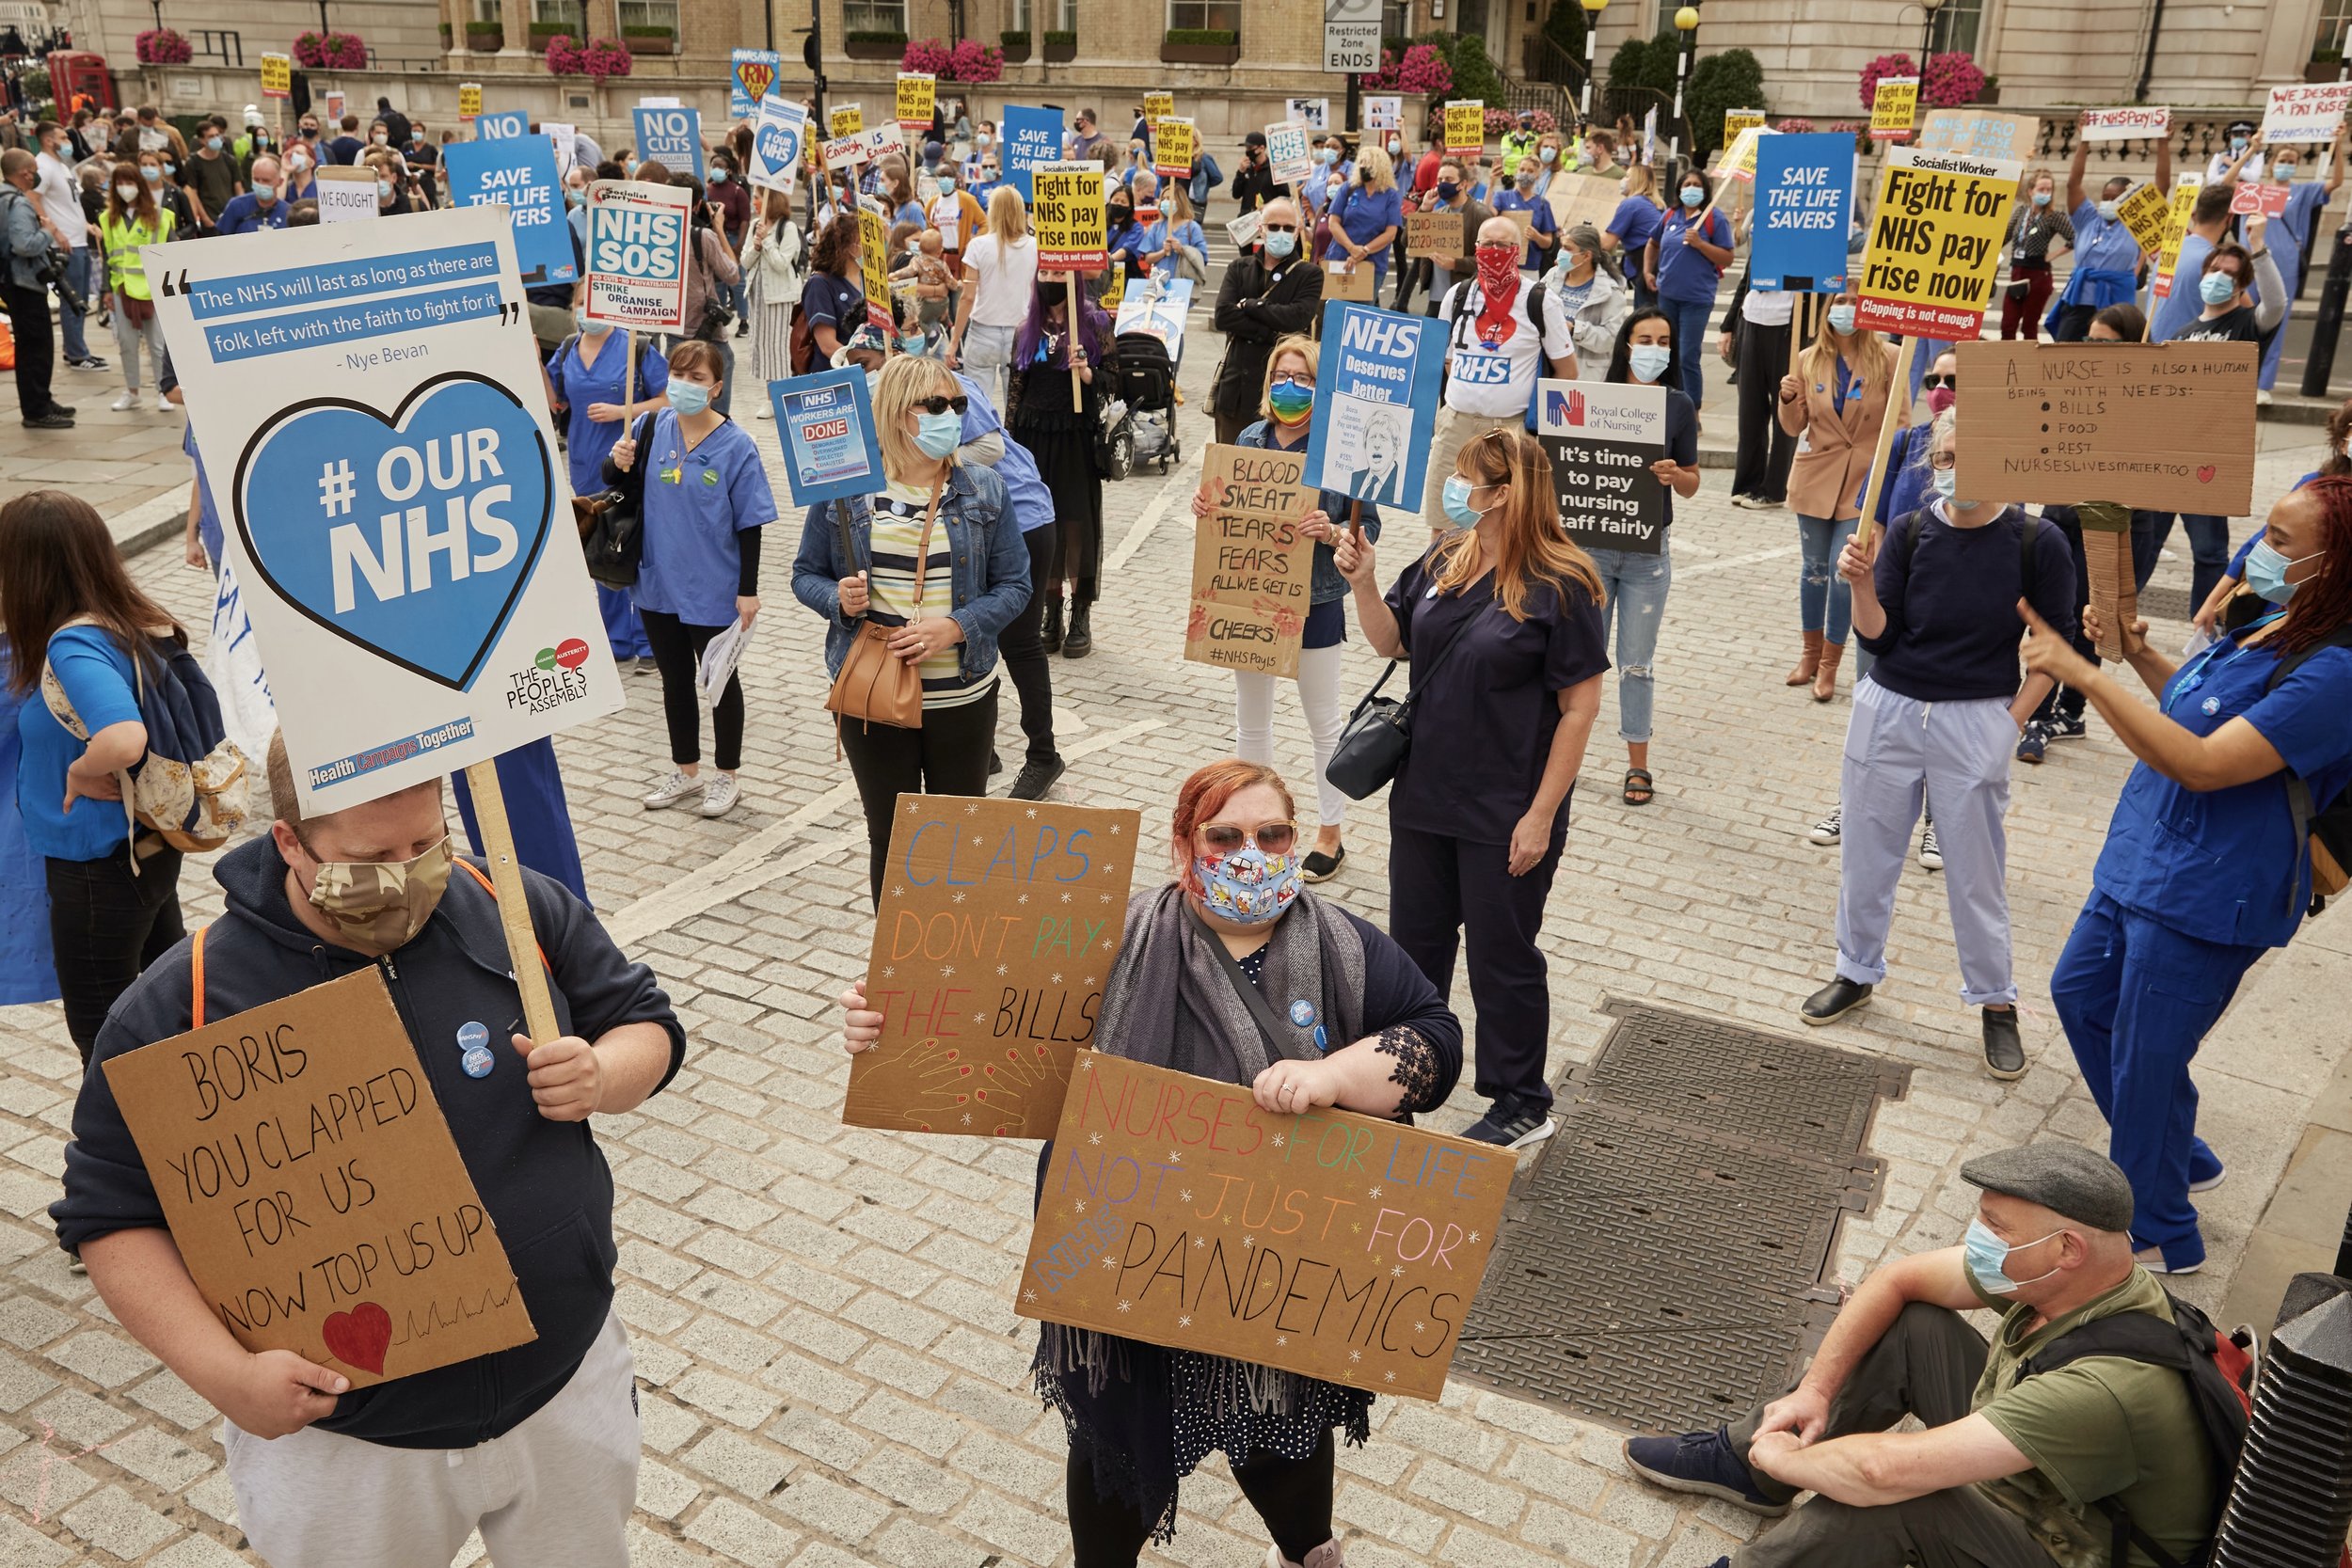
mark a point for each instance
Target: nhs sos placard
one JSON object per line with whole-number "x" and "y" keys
{"x": 637, "y": 255}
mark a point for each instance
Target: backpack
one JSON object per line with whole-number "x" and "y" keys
{"x": 191, "y": 786}
{"x": 1206, "y": 177}
{"x": 1907, "y": 540}
{"x": 1538, "y": 311}
{"x": 2220, "y": 1372}
{"x": 2326, "y": 832}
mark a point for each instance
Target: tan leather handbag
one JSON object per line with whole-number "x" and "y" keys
{"x": 875, "y": 684}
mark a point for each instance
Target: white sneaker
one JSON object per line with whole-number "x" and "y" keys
{"x": 1829, "y": 829}
{"x": 720, "y": 794}
{"x": 765, "y": 411}
{"x": 1929, "y": 856}
{"x": 670, "y": 791}
{"x": 2262, "y": 398}
{"x": 124, "y": 403}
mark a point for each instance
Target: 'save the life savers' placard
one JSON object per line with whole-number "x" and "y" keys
{"x": 1339, "y": 1245}
{"x": 995, "y": 937}
{"x": 1250, "y": 565}
{"x": 314, "y": 1189}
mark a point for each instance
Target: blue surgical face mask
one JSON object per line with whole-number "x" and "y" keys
{"x": 1327, "y": 156}
{"x": 1247, "y": 887}
{"x": 1946, "y": 481}
{"x": 1279, "y": 243}
{"x": 937, "y": 435}
{"x": 212, "y": 144}
{"x": 1841, "y": 319}
{"x": 1988, "y": 1258}
{"x": 2217, "y": 287}
{"x": 153, "y": 175}
{"x": 1456, "y": 500}
{"x": 717, "y": 176}
{"x": 264, "y": 193}
{"x": 383, "y": 190}
{"x": 1648, "y": 362}
{"x": 873, "y": 383}
{"x": 1548, "y": 154}
{"x": 1692, "y": 196}
{"x": 2237, "y": 144}
{"x": 593, "y": 329}
{"x": 2266, "y": 571}
{"x": 2041, "y": 199}
{"x": 2106, "y": 211}
{"x": 574, "y": 196}
{"x": 689, "y": 397}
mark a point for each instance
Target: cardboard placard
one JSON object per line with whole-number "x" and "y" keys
{"x": 1348, "y": 281}
{"x": 883, "y": 140}
{"x": 277, "y": 77}
{"x": 2108, "y": 557}
{"x": 1375, "y": 404}
{"x": 843, "y": 152}
{"x": 347, "y": 193}
{"x": 2176, "y": 229}
{"x": 1978, "y": 133}
{"x": 468, "y": 100}
{"x": 1174, "y": 142}
{"x": 2168, "y": 426}
{"x": 1602, "y": 438}
{"x": 1936, "y": 243}
{"x": 1464, "y": 126}
{"x": 1434, "y": 234}
{"x": 1584, "y": 198}
{"x": 1249, "y": 562}
{"x": 314, "y": 1189}
{"x": 2146, "y": 211}
{"x": 2127, "y": 124}
{"x": 1069, "y": 218}
{"x": 1521, "y": 218}
{"x": 845, "y": 120}
{"x": 1737, "y": 120}
{"x": 1343, "y": 1247}
{"x": 2304, "y": 112}
{"x": 995, "y": 937}
{"x": 2253, "y": 196}
{"x": 825, "y": 426}
{"x": 672, "y": 137}
{"x": 919, "y": 92}
{"x": 1288, "y": 156}
{"x": 1893, "y": 107}
{"x": 750, "y": 74}
{"x": 1804, "y": 209}
{"x": 637, "y": 255}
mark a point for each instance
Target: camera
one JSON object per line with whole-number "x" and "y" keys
{"x": 53, "y": 272}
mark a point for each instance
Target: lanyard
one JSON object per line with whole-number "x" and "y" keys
{"x": 2202, "y": 665}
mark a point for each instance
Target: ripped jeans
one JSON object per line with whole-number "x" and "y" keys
{"x": 1636, "y": 584}
{"x": 1824, "y": 603}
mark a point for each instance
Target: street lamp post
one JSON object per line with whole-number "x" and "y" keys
{"x": 1927, "y": 33}
{"x": 1687, "y": 24}
{"x": 1592, "y": 35}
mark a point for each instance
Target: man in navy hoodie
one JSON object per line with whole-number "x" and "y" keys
{"x": 536, "y": 1445}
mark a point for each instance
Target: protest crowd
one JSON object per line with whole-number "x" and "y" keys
{"x": 1461, "y": 394}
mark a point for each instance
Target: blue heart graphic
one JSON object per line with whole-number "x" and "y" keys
{"x": 411, "y": 535}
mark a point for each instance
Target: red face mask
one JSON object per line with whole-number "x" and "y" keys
{"x": 1498, "y": 270}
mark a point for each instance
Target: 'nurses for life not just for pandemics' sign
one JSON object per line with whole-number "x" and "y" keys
{"x": 369, "y": 399}
{"x": 1936, "y": 243}
{"x": 993, "y": 942}
{"x": 637, "y": 255}
{"x": 1177, "y": 1212}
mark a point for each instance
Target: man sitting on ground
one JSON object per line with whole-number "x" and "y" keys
{"x": 2011, "y": 1471}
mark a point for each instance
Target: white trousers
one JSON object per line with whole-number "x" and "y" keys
{"x": 1319, "y": 694}
{"x": 554, "y": 1493}
{"x": 1897, "y": 748}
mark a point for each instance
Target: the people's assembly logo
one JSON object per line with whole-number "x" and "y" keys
{"x": 557, "y": 676}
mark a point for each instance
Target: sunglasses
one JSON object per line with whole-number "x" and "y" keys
{"x": 940, "y": 404}
{"x": 1226, "y": 838}
{"x": 1282, "y": 229}
{"x": 1930, "y": 382}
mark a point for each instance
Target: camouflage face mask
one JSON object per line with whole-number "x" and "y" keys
{"x": 379, "y": 908}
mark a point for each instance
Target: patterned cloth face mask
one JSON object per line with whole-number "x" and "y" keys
{"x": 379, "y": 907}
{"x": 1249, "y": 886}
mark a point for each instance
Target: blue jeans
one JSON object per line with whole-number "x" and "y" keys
{"x": 1690, "y": 318}
{"x": 1637, "y": 584}
{"x": 1824, "y": 600}
{"x": 69, "y": 319}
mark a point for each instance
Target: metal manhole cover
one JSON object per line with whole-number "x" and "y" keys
{"x": 1662, "y": 1257}
{"x": 2163, "y": 603}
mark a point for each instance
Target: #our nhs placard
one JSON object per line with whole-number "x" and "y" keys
{"x": 368, "y": 400}
{"x": 825, "y": 425}
{"x": 637, "y": 255}
{"x": 520, "y": 175}
{"x": 671, "y": 136}
{"x": 1375, "y": 404}
{"x": 777, "y": 138}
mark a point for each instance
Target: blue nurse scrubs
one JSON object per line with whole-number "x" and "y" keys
{"x": 2284, "y": 236}
{"x": 578, "y": 384}
{"x": 2190, "y": 889}
{"x": 695, "y": 503}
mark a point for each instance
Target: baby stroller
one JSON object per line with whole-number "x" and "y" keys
{"x": 1139, "y": 415}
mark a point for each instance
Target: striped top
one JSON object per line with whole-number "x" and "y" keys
{"x": 898, "y": 533}
{"x": 2033, "y": 231}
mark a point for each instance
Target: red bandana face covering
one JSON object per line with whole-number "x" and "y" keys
{"x": 1499, "y": 286}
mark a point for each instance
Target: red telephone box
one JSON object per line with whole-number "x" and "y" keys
{"x": 74, "y": 76}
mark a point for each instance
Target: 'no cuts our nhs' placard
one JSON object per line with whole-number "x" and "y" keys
{"x": 672, "y": 137}
{"x": 372, "y": 397}
{"x": 518, "y": 174}
{"x": 637, "y": 255}
{"x": 1372, "y": 426}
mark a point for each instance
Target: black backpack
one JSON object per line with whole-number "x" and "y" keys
{"x": 2325, "y": 833}
{"x": 2220, "y": 1372}
{"x": 1907, "y": 540}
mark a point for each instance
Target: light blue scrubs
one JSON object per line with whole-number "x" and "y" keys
{"x": 695, "y": 503}
{"x": 1032, "y": 503}
{"x": 2284, "y": 237}
{"x": 587, "y": 443}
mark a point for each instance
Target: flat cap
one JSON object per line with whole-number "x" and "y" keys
{"x": 2066, "y": 1179}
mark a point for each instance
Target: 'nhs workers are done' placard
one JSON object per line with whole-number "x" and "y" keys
{"x": 367, "y": 399}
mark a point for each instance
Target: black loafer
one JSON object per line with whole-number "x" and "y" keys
{"x": 1320, "y": 867}
{"x": 2004, "y": 1051}
{"x": 1834, "y": 1000}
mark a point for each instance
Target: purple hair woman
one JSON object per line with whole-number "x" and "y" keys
{"x": 1059, "y": 432}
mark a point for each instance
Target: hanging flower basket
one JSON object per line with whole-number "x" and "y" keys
{"x": 330, "y": 51}
{"x": 164, "y": 46}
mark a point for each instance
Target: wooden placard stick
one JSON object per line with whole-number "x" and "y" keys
{"x": 629, "y": 379}
{"x": 506, "y": 876}
{"x": 1897, "y": 414}
{"x": 1077, "y": 395}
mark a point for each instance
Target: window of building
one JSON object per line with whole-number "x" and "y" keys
{"x": 874, "y": 16}
{"x": 486, "y": 11}
{"x": 1056, "y": 16}
{"x": 571, "y": 15}
{"x": 1397, "y": 18}
{"x": 1224, "y": 14}
{"x": 1957, "y": 24}
{"x": 649, "y": 13}
{"x": 2329, "y": 36}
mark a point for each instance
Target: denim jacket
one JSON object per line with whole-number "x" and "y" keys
{"x": 1326, "y": 584}
{"x": 991, "y": 570}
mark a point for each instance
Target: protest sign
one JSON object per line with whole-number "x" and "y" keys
{"x": 918, "y": 91}
{"x": 1067, "y": 214}
{"x": 1158, "y": 106}
{"x": 469, "y": 100}
{"x": 506, "y": 125}
{"x": 1892, "y": 108}
{"x": 883, "y": 139}
{"x": 1520, "y": 218}
{"x": 672, "y": 137}
{"x": 2304, "y": 112}
{"x": 1251, "y": 565}
{"x": 1338, "y": 1245}
{"x": 314, "y": 1190}
{"x": 1243, "y": 231}
{"x": 637, "y": 255}
{"x": 1602, "y": 438}
{"x": 1584, "y": 198}
{"x": 564, "y": 140}
{"x": 233, "y": 664}
{"x": 844, "y": 152}
{"x": 1464, "y": 126}
{"x": 1434, "y": 234}
{"x": 371, "y": 398}
{"x": 1158, "y": 309}
{"x": 750, "y": 74}
{"x": 2128, "y": 124}
{"x": 825, "y": 426}
{"x": 873, "y": 231}
{"x": 1384, "y": 112}
{"x": 778, "y": 135}
{"x": 2176, "y": 229}
{"x": 1313, "y": 112}
{"x": 2145, "y": 211}
{"x": 1738, "y": 160}
{"x": 1978, "y": 133}
{"x": 331, "y": 103}
{"x": 1172, "y": 148}
{"x": 1288, "y": 154}
{"x": 1803, "y": 210}
{"x": 2254, "y": 197}
{"x": 992, "y": 942}
{"x": 1375, "y": 404}
{"x": 277, "y": 77}
{"x": 1350, "y": 280}
{"x": 846, "y": 119}
{"x": 1737, "y": 120}
{"x": 346, "y": 194}
{"x": 2168, "y": 426}
{"x": 520, "y": 175}
{"x": 2113, "y": 585}
{"x": 1031, "y": 136}
{"x": 1936, "y": 243}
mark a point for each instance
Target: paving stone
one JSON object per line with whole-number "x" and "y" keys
{"x": 904, "y": 1477}
{"x": 1464, "y": 1492}
{"x": 163, "y": 1461}
{"x": 22, "y": 1547}
{"x": 1416, "y": 1530}
{"x": 118, "y": 1525}
{"x": 739, "y": 1534}
{"x": 738, "y": 1464}
{"x": 196, "y": 1551}
{"x": 79, "y": 1419}
{"x": 20, "y": 1384}
{"x": 662, "y": 1490}
{"x": 820, "y": 1504}
{"x": 826, "y": 1441}
{"x": 106, "y": 1359}
{"x": 906, "y": 1544}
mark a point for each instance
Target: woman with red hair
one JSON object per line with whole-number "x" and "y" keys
{"x": 2210, "y": 861}
{"x": 1235, "y": 971}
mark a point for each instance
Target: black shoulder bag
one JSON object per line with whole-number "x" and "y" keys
{"x": 1380, "y": 731}
{"x": 613, "y": 529}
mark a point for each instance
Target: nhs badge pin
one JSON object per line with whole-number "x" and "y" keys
{"x": 1303, "y": 1013}
{"x": 473, "y": 1047}
{"x": 2212, "y": 705}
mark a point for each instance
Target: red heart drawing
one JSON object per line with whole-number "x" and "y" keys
{"x": 360, "y": 1337}
{"x": 2204, "y": 475}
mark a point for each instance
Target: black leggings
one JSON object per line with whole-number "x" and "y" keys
{"x": 1291, "y": 1496}
{"x": 106, "y": 925}
{"x": 676, "y": 648}
{"x": 1024, "y": 654}
{"x": 947, "y": 755}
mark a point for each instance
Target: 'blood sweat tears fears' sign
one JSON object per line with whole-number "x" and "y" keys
{"x": 1343, "y": 1247}
{"x": 998, "y": 923}
{"x": 312, "y": 1187}
{"x": 369, "y": 397}
{"x": 1250, "y": 565}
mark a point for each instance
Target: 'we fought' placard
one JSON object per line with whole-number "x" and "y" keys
{"x": 998, "y": 923}
{"x": 1250, "y": 565}
{"x": 314, "y": 1189}
{"x": 1339, "y": 1245}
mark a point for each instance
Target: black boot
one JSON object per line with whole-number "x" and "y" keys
{"x": 1049, "y": 633}
{"x": 1080, "y": 641}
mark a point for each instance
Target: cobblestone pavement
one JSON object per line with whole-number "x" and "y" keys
{"x": 831, "y": 1369}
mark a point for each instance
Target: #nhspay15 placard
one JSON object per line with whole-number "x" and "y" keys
{"x": 368, "y": 400}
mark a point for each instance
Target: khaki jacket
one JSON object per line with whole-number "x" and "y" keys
{"x": 1826, "y": 479}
